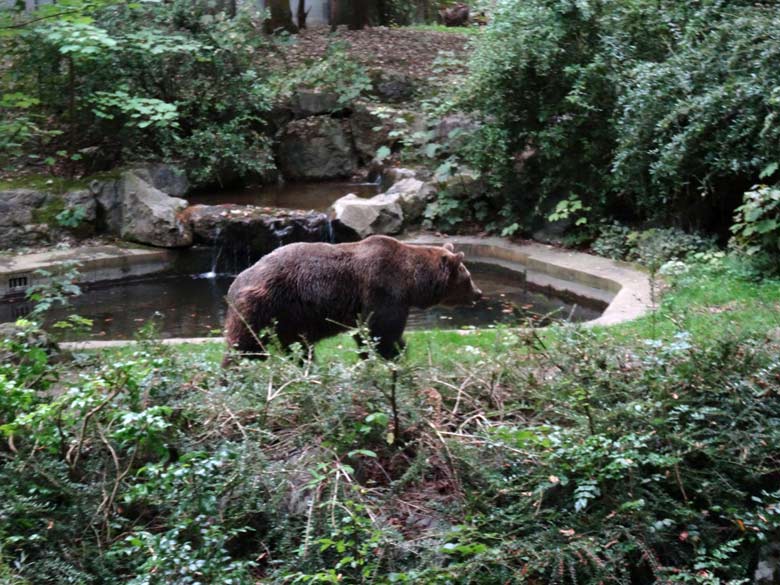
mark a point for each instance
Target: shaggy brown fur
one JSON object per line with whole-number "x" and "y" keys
{"x": 308, "y": 292}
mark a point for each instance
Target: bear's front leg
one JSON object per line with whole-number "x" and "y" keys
{"x": 386, "y": 325}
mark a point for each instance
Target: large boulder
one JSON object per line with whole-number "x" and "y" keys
{"x": 164, "y": 177}
{"x": 464, "y": 183}
{"x": 389, "y": 176}
{"x": 381, "y": 214}
{"x": 20, "y": 224}
{"x": 108, "y": 197}
{"x": 82, "y": 206}
{"x": 244, "y": 233}
{"x": 371, "y": 129}
{"x": 261, "y": 227}
{"x": 413, "y": 196}
{"x": 150, "y": 216}
{"x": 31, "y": 216}
{"x": 317, "y": 148}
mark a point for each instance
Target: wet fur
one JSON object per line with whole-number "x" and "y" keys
{"x": 309, "y": 291}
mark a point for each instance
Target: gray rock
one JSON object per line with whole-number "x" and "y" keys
{"x": 28, "y": 216}
{"x": 84, "y": 200}
{"x": 768, "y": 568}
{"x": 413, "y": 196}
{"x": 454, "y": 129}
{"x": 394, "y": 174}
{"x": 464, "y": 182}
{"x": 17, "y": 206}
{"x": 244, "y": 233}
{"x": 108, "y": 199}
{"x": 149, "y": 216}
{"x": 166, "y": 178}
{"x": 381, "y": 214}
{"x": 390, "y": 86}
{"x": 371, "y": 128}
{"x": 552, "y": 232}
{"x": 307, "y": 103}
{"x": 317, "y": 148}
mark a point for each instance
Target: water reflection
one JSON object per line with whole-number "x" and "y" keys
{"x": 187, "y": 306}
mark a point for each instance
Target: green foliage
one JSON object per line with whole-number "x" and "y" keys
{"x": 335, "y": 72}
{"x": 651, "y": 247}
{"x": 174, "y": 80}
{"x": 71, "y": 217}
{"x": 586, "y": 459}
{"x": 55, "y": 289}
{"x": 678, "y": 100}
{"x": 757, "y": 223}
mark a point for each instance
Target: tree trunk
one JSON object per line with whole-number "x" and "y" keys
{"x": 359, "y": 14}
{"x": 281, "y": 17}
{"x": 302, "y": 14}
{"x": 334, "y": 15}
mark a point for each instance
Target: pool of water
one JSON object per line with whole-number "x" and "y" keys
{"x": 317, "y": 196}
{"x": 189, "y": 306}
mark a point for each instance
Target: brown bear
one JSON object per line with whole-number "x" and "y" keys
{"x": 310, "y": 291}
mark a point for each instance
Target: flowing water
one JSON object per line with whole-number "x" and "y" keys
{"x": 190, "y": 306}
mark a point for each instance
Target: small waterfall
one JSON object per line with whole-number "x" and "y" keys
{"x": 215, "y": 255}
{"x": 330, "y": 231}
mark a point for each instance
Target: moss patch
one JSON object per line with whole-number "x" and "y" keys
{"x": 53, "y": 184}
{"x": 48, "y": 212}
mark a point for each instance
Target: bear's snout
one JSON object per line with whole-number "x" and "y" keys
{"x": 476, "y": 293}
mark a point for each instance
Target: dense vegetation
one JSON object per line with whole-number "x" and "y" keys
{"x": 636, "y": 111}
{"x": 574, "y": 457}
{"x": 638, "y": 454}
{"x": 94, "y": 87}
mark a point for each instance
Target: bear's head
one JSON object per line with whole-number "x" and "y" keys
{"x": 460, "y": 289}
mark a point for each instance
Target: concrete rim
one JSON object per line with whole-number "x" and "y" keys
{"x": 626, "y": 289}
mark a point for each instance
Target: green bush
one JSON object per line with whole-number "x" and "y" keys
{"x": 589, "y": 460}
{"x": 757, "y": 226}
{"x": 678, "y": 100}
{"x": 128, "y": 81}
{"x": 651, "y": 247}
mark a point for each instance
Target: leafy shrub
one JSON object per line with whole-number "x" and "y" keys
{"x": 335, "y": 72}
{"x": 614, "y": 241}
{"x": 651, "y": 247}
{"x": 678, "y": 100}
{"x": 588, "y": 460}
{"x": 757, "y": 224}
{"x": 175, "y": 80}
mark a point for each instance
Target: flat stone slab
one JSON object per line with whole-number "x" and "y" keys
{"x": 95, "y": 263}
{"x": 96, "y": 344}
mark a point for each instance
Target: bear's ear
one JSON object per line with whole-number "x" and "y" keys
{"x": 460, "y": 256}
{"x": 449, "y": 246}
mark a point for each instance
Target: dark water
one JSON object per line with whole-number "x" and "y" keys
{"x": 317, "y": 196}
{"x": 186, "y": 306}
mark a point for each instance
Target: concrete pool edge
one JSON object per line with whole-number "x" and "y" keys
{"x": 629, "y": 288}
{"x": 102, "y": 263}
{"x": 626, "y": 289}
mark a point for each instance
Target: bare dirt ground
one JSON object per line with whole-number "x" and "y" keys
{"x": 409, "y": 51}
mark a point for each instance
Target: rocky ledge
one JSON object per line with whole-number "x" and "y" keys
{"x": 261, "y": 229}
